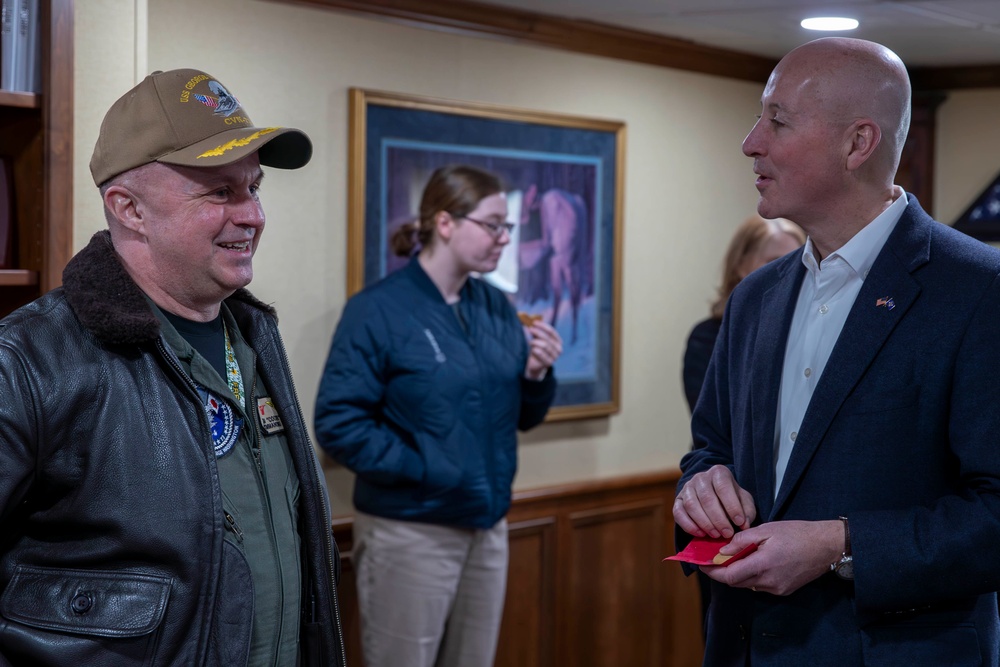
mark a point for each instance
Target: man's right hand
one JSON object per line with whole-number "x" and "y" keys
{"x": 711, "y": 503}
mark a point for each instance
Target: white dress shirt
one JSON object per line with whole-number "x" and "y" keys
{"x": 827, "y": 295}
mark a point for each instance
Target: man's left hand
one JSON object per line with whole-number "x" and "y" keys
{"x": 789, "y": 555}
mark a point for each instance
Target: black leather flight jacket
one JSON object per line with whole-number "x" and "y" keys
{"x": 111, "y": 520}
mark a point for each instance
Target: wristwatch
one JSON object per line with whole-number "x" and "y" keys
{"x": 844, "y": 568}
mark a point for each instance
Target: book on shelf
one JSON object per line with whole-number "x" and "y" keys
{"x": 8, "y": 43}
{"x": 6, "y": 213}
{"x": 20, "y": 46}
{"x": 32, "y": 47}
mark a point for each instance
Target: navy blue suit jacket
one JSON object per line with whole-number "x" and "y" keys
{"x": 902, "y": 436}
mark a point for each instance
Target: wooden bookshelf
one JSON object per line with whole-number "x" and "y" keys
{"x": 18, "y": 278}
{"x": 36, "y": 135}
{"x": 10, "y": 98}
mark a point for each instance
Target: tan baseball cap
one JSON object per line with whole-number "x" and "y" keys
{"x": 187, "y": 117}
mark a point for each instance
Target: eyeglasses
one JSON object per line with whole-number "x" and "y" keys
{"x": 496, "y": 229}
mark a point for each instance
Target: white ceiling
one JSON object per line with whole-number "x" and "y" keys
{"x": 922, "y": 32}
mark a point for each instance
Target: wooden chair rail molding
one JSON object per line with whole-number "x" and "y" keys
{"x": 612, "y": 42}
{"x": 586, "y": 585}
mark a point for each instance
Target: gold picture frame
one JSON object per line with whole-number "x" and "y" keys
{"x": 565, "y": 179}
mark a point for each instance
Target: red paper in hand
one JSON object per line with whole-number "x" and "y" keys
{"x": 705, "y": 551}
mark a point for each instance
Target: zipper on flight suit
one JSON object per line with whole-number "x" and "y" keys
{"x": 255, "y": 442}
{"x": 233, "y": 526}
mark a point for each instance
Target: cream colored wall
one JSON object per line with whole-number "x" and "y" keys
{"x": 967, "y": 147}
{"x": 109, "y": 36}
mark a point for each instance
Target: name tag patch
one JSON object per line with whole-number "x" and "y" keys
{"x": 270, "y": 420}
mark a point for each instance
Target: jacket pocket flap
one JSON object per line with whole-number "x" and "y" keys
{"x": 90, "y": 602}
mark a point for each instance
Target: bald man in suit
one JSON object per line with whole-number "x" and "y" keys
{"x": 849, "y": 422}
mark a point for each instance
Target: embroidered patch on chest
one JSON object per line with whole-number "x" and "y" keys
{"x": 223, "y": 422}
{"x": 270, "y": 420}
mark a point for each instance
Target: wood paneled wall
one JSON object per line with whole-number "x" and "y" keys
{"x": 586, "y": 585}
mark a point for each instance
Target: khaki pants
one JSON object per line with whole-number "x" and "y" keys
{"x": 430, "y": 596}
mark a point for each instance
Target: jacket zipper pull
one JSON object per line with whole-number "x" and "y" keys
{"x": 232, "y": 525}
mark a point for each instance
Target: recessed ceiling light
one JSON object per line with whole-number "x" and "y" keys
{"x": 829, "y": 23}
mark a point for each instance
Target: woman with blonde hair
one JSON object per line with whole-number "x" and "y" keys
{"x": 755, "y": 243}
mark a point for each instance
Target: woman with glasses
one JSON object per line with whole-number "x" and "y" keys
{"x": 430, "y": 374}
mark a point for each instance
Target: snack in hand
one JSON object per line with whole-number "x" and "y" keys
{"x": 528, "y": 319}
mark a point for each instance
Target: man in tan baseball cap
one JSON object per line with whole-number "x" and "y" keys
{"x": 169, "y": 505}
{"x": 188, "y": 118}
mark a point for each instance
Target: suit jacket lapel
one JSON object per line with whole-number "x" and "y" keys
{"x": 776, "y": 310}
{"x": 867, "y": 328}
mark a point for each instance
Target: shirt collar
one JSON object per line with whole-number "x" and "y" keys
{"x": 861, "y": 251}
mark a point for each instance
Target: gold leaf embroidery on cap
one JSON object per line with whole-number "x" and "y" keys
{"x": 237, "y": 143}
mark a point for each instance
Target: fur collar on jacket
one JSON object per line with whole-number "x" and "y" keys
{"x": 108, "y": 302}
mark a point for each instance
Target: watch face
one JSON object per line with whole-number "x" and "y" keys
{"x": 845, "y": 568}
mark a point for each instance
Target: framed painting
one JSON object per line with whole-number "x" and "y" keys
{"x": 563, "y": 177}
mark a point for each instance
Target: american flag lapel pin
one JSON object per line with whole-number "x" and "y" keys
{"x": 886, "y": 301}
